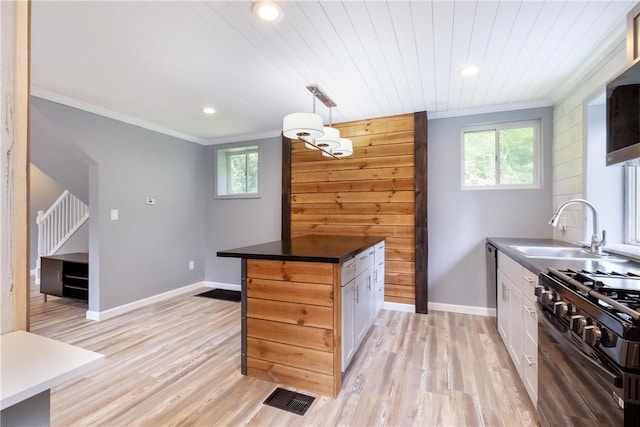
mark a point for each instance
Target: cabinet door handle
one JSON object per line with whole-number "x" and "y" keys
{"x": 357, "y": 295}
{"x": 531, "y": 280}
{"x": 530, "y": 360}
{"x": 59, "y": 276}
{"x": 530, "y": 310}
{"x": 369, "y": 282}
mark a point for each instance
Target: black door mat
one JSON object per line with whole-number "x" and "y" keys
{"x": 224, "y": 294}
{"x": 289, "y": 401}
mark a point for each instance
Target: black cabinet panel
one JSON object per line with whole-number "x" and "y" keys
{"x": 65, "y": 275}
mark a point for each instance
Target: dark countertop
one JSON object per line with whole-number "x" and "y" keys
{"x": 330, "y": 249}
{"x": 539, "y": 265}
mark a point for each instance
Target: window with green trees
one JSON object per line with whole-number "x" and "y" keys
{"x": 504, "y": 155}
{"x": 237, "y": 171}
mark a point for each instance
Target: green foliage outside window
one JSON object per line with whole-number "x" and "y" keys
{"x": 500, "y": 156}
{"x": 243, "y": 172}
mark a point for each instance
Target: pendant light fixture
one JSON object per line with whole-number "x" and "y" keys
{"x": 309, "y": 128}
{"x": 331, "y": 137}
{"x": 345, "y": 149}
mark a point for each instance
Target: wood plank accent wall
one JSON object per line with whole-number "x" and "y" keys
{"x": 293, "y": 324}
{"x": 373, "y": 192}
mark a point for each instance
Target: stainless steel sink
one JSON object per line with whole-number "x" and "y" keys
{"x": 561, "y": 252}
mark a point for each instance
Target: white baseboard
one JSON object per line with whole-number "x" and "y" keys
{"x": 464, "y": 309}
{"x": 452, "y": 308}
{"x": 396, "y": 306}
{"x": 116, "y": 311}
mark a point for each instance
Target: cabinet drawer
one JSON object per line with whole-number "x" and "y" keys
{"x": 362, "y": 262}
{"x": 510, "y": 268}
{"x": 530, "y": 369}
{"x": 348, "y": 271}
{"x": 529, "y": 320}
{"x": 380, "y": 251}
{"x": 528, "y": 284}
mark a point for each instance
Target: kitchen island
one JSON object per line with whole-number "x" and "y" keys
{"x": 292, "y": 308}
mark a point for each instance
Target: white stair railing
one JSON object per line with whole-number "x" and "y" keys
{"x": 57, "y": 225}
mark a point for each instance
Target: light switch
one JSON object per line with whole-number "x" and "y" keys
{"x": 114, "y": 214}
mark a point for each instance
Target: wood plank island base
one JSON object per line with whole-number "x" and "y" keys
{"x": 292, "y": 310}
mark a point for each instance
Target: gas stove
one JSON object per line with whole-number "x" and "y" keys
{"x": 589, "y": 347}
{"x": 599, "y": 310}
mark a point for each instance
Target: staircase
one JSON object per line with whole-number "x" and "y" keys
{"x": 57, "y": 225}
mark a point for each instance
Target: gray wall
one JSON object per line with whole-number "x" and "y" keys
{"x": 233, "y": 223}
{"x": 43, "y": 192}
{"x": 460, "y": 221}
{"x": 145, "y": 252}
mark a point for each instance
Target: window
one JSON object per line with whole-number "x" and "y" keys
{"x": 237, "y": 171}
{"x": 504, "y": 155}
{"x": 632, "y": 205}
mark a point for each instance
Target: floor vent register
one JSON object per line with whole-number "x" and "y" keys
{"x": 289, "y": 401}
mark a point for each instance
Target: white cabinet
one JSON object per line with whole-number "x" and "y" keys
{"x": 510, "y": 317}
{"x": 518, "y": 319}
{"x": 378, "y": 278}
{"x": 362, "y": 298}
{"x": 530, "y": 334}
{"x": 364, "y": 294}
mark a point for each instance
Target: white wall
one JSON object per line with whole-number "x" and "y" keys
{"x": 569, "y": 141}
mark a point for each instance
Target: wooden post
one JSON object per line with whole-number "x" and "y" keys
{"x": 14, "y": 140}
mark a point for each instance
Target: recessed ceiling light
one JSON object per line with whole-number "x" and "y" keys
{"x": 470, "y": 70}
{"x": 208, "y": 110}
{"x": 267, "y": 10}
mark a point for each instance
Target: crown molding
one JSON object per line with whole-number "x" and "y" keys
{"x": 105, "y": 112}
{"x": 489, "y": 109}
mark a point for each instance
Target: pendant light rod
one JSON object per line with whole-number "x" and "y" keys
{"x": 315, "y": 90}
{"x": 326, "y": 152}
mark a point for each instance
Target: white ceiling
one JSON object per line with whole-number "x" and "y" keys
{"x": 156, "y": 64}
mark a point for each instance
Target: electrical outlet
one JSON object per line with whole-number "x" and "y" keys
{"x": 114, "y": 214}
{"x": 562, "y": 226}
{"x": 191, "y": 265}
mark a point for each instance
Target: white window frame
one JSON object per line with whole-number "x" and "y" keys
{"x": 632, "y": 213}
{"x": 222, "y": 177}
{"x": 536, "y": 124}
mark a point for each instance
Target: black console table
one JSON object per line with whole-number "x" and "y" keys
{"x": 65, "y": 275}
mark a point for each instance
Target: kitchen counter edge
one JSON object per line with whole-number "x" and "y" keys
{"x": 345, "y": 248}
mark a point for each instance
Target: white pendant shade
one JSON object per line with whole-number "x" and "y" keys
{"x": 330, "y": 139}
{"x": 302, "y": 125}
{"x": 344, "y": 150}
{"x": 311, "y": 147}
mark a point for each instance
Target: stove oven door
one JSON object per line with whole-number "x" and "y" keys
{"x": 573, "y": 388}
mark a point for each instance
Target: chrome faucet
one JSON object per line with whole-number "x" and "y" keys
{"x": 597, "y": 242}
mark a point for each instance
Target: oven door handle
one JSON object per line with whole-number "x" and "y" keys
{"x": 565, "y": 342}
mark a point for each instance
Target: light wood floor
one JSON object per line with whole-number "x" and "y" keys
{"x": 178, "y": 363}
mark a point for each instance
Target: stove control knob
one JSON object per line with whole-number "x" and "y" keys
{"x": 537, "y": 291}
{"x": 577, "y": 323}
{"x": 560, "y": 308}
{"x": 591, "y": 334}
{"x": 546, "y": 297}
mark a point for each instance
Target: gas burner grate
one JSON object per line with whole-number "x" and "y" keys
{"x": 613, "y": 273}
